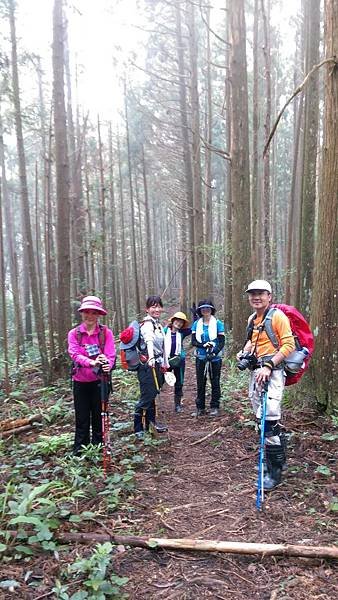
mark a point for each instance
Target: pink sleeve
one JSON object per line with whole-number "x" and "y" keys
{"x": 109, "y": 347}
{"x": 75, "y": 350}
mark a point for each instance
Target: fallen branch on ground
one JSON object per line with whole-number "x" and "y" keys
{"x": 218, "y": 430}
{"x": 197, "y": 545}
{"x": 8, "y": 428}
{"x": 15, "y": 423}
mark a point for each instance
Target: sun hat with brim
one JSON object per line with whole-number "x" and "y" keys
{"x": 181, "y": 316}
{"x": 205, "y": 304}
{"x": 129, "y": 336}
{"x": 260, "y": 285}
{"x": 92, "y": 303}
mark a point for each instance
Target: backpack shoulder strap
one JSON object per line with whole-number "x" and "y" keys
{"x": 268, "y": 327}
{"x": 78, "y": 334}
{"x": 102, "y": 337}
{"x": 250, "y": 326}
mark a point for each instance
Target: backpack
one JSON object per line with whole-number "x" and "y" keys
{"x": 133, "y": 350}
{"x": 297, "y": 362}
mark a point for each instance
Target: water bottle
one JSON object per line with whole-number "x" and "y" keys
{"x": 295, "y": 361}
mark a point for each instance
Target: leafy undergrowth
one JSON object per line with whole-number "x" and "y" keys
{"x": 176, "y": 486}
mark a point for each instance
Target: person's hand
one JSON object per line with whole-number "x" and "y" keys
{"x": 239, "y": 355}
{"x": 164, "y": 369}
{"x": 208, "y": 345}
{"x": 151, "y": 362}
{"x": 262, "y": 375}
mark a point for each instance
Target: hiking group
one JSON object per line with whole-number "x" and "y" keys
{"x": 277, "y": 349}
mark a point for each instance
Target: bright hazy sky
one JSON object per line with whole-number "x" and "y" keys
{"x": 95, "y": 28}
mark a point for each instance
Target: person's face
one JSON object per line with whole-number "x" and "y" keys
{"x": 90, "y": 317}
{"x": 178, "y": 323}
{"x": 154, "y": 311}
{"x": 206, "y": 312}
{"x": 259, "y": 299}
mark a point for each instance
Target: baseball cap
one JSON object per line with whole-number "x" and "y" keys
{"x": 259, "y": 284}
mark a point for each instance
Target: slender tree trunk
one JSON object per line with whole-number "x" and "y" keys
{"x": 28, "y": 239}
{"x": 310, "y": 134}
{"x": 103, "y": 218}
{"x": 200, "y": 290}
{"x": 133, "y": 241}
{"x": 4, "y": 334}
{"x": 240, "y": 179}
{"x": 12, "y": 256}
{"x": 266, "y": 165}
{"x": 209, "y": 217}
{"x": 187, "y": 161}
{"x": 62, "y": 178}
{"x": 324, "y": 299}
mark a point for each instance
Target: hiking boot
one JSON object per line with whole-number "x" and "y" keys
{"x": 139, "y": 435}
{"x": 160, "y": 428}
{"x": 200, "y": 412}
{"x": 214, "y": 412}
{"x": 178, "y": 408}
{"x": 274, "y": 460}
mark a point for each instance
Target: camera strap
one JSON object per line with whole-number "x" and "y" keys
{"x": 260, "y": 328}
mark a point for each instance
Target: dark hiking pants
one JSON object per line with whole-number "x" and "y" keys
{"x": 87, "y": 403}
{"x": 211, "y": 369}
{"x": 145, "y": 411}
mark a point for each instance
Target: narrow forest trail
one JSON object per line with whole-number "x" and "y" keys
{"x": 198, "y": 482}
{"x": 205, "y": 489}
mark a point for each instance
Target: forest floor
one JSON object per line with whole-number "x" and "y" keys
{"x": 178, "y": 486}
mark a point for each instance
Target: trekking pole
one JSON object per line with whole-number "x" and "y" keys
{"x": 105, "y": 424}
{"x": 260, "y": 479}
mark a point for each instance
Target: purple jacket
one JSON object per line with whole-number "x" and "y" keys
{"x": 78, "y": 352}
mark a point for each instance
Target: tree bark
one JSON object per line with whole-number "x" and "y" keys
{"x": 324, "y": 300}
{"x": 25, "y": 209}
{"x": 240, "y": 179}
{"x": 62, "y": 178}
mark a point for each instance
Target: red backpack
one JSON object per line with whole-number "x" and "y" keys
{"x": 298, "y": 361}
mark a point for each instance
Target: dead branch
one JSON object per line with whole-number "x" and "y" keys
{"x": 16, "y": 431}
{"x": 261, "y": 549}
{"x": 295, "y": 93}
{"x": 218, "y": 430}
{"x": 13, "y": 424}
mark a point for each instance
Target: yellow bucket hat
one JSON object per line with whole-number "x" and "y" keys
{"x": 182, "y": 317}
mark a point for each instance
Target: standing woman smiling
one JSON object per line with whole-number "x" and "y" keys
{"x": 207, "y": 334}
{"x": 92, "y": 349}
{"x": 153, "y": 363}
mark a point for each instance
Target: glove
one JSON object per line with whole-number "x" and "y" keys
{"x": 209, "y": 345}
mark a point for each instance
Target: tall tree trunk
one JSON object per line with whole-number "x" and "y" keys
{"x": 324, "y": 300}
{"x": 255, "y": 233}
{"x": 28, "y": 239}
{"x": 310, "y": 134}
{"x": 240, "y": 178}
{"x": 266, "y": 165}
{"x": 133, "y": 224}
{"x": 149, "y": 244}
{"x": 103, "y": 218}
{"x": 4, "y": 334}
{"x": 209, "y": 217}
{"x": 62, "y": 178}
{"x": 12, "y": 256}
{"x": 198, "y": 249}
{"x": 187, "y": 161}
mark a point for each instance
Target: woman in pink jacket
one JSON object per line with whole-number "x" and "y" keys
{"x": 92, "y": 350}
